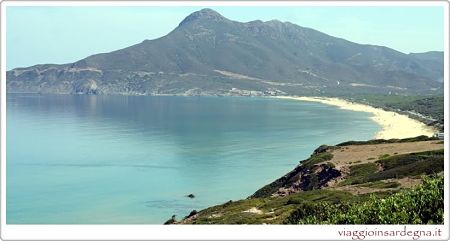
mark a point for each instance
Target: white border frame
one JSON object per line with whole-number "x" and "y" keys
{"x": 208, "y": 232}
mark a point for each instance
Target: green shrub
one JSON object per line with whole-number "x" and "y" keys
{"x": 380, "y": 184}
{"x": 313, "y": 181}
{"x": 382, "y": 141}
{"x": 405, "y": 159}
{"x": 384, "y": 156}
{"x": 414, "y": 164}
{"x": 317, "y": 158}
{"x": 359, "y": 172}
{"x": 421, "y": 205}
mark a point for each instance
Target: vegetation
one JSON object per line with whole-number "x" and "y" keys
{"x": 358, "y": 173}
{"x": 396, "y": 166}
{"x": 380, "y": 184}
{"x": 274, "y": 210}
{"x": 383, "y": 156}
{"x": 407, "y": 159}
{"x": 382, "y": 141}
{"x": 414, "y": 164}
{"x": 421, "y": 205}
{"x": 428, "y": 106}
{"x": 317, "y": 158}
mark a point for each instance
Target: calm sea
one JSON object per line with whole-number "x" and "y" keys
{"x": 130, "y": 160}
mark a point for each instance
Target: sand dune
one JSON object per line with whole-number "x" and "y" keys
{"x": 393, "y": 125}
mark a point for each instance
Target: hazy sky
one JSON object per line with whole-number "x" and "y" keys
{"x": 38, "y": 35}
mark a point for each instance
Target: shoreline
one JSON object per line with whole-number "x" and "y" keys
{"x": 393, "y": 125}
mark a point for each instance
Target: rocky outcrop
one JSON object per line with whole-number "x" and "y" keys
{"x": 312, "y": 173}
{"x": 307, "y": 179}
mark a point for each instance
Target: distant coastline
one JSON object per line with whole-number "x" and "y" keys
{"x": 394, "y": 125}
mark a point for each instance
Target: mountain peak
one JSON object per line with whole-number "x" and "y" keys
{"x": 205, "y": 13}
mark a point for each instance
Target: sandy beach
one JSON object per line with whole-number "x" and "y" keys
{"x": 393, "y": 125}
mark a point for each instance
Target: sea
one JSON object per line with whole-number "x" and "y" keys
{"x": 81, "y": 159}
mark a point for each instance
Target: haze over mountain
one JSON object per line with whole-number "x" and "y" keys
{"x": 208, "y": 54}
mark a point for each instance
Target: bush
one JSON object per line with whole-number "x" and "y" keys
{"x": 421, "y": 205}
{"x": 317, "y": 158}
{"x": 414, "y": 164}
{"x": 359, "y": 172}
{"x": 383, "y": 141}
{"x": 380, "y": 184}
{"x": 384, "y": 156}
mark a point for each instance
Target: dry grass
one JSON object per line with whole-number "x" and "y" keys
{"x": 346, "y": 156}
{"x": 360, "y": 154}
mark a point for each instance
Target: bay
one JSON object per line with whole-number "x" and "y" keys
{"x": 78, "y": 159}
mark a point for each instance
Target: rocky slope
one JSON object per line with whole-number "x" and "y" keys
{"x": 208, "y": 54}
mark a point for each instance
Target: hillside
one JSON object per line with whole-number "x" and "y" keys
{"x": 348, "y": 177}
{"x": 208, "y": 54}
{"x": 432, "y": 60}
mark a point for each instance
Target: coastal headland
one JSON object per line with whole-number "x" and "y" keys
{"x": 356, "y": 182}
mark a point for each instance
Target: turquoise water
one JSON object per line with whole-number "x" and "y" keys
{"x": 131, "y": 160}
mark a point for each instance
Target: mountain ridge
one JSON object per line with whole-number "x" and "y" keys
{"x": 208, "y": 54}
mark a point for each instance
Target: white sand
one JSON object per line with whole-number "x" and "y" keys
{"x": 393, "y": 125}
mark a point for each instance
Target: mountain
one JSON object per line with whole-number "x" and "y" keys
{"x": 434, "y": 60}
{"x": 208, "y": 54}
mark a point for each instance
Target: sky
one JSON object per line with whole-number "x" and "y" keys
{"x": 38, "y": 35}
